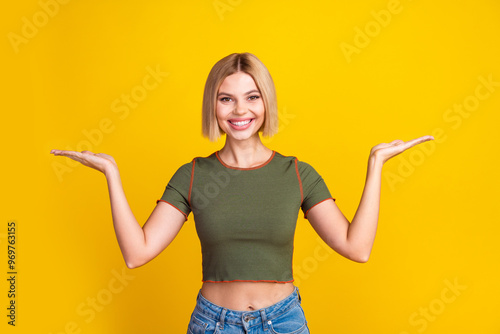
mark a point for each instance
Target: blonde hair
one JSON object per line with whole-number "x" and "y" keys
{"x": 239, "y": 62}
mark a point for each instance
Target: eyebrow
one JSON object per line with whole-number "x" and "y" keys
{"x": 250, "y": 91}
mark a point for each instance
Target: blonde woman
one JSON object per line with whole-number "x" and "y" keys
{"x": 245, "y": 199}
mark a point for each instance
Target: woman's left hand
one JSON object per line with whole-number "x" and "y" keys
{"x": 384, "y": 151}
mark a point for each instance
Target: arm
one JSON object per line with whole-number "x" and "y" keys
{"x": 355, "y": 240}
{"x": 138, "y": 245}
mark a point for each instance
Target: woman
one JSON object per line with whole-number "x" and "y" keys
{"x": 245, "y": 199}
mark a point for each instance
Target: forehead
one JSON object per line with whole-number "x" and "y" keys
{"x": 237, "y": 82}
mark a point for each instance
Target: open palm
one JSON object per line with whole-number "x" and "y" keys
{"x": 98, "y": 161}
{"x": 385, "y": 151}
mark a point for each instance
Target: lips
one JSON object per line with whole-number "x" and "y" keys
{"x": 240, "y": 124}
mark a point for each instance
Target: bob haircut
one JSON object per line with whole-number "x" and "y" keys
{"x": 239, "y": 62}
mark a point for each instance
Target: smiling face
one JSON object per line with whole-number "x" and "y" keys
{"x": 240, "y": 109}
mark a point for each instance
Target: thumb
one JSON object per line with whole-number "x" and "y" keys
{"x": 397, "y": 142}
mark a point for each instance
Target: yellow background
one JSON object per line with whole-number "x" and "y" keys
{"x": 439, "y": 220}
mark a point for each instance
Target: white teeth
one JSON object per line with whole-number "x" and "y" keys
{"x": 241, "y": 123}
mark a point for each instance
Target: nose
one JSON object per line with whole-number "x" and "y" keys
{"x": 239, "y": 108}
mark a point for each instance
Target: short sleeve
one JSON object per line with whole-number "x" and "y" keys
{"x": 177, "y": 190}
{"x": 314, "y": 188}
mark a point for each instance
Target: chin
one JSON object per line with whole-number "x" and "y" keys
{"x": 241, "y": 138}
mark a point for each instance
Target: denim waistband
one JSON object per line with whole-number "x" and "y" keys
{"x": 246, "y": 318}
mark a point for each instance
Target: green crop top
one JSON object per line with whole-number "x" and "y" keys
{"x": 245, "y": 217}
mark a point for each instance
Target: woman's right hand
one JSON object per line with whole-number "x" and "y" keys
{"x": 99, "y": 161}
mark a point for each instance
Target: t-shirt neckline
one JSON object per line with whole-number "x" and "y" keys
{"x": 245, "y": 168}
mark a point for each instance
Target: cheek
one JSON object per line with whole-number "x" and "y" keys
{"x": 262, "y": 110}
{"x": 222, "y": 110}
{"x": 219, "y": 112}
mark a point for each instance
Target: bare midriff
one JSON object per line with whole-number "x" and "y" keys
{"x": 246, "y": 296}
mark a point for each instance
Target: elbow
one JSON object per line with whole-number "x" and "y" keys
{"x": 361, "y": 257}
{"x": 131, "y": 264}
{"x": 354, "y": 253}
{"x": 135, "y": 259}
{"x": 360, "y": 253}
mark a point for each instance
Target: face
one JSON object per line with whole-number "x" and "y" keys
{"x": 240, "y": 108}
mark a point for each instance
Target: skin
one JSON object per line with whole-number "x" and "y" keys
{"x": 244, "y": 148}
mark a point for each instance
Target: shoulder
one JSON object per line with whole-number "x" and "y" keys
{"x": 285, "y": 159}
{"x": 187, "y": 169}
{"x": 183, "y": 176}
{"x": 302, "y": 166}
{"x": 207, "y": 162}
{"x": 303, "y": 169}
{"x": 197, "y": 161}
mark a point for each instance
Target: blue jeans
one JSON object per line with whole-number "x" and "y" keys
{"x": 284, "y": 317}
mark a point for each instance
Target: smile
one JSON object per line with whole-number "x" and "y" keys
{"x": 240, "y": 123}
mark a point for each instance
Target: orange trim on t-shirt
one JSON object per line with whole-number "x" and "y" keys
{"x": 305, "y": 214}
{"x": 241, "y": 168}
{"x": 240, "y": 280}
{"x": 300, "y": 182}
{"x": 191, "y": 182}
{"x": 185, "y": 216}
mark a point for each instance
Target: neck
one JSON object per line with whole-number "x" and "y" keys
{"x": 244, "y": 153}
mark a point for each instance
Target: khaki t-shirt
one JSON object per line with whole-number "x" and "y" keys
{"x": 246, "y": 217}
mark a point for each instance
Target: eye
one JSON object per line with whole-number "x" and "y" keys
{"x": 225, "y": 99}
{"x": 254, "y": 97}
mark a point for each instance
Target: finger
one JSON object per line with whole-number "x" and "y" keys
{"x": 60, "y": 152}
{"x": 70, "y": 154}
{"x": 417, "y": 141}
